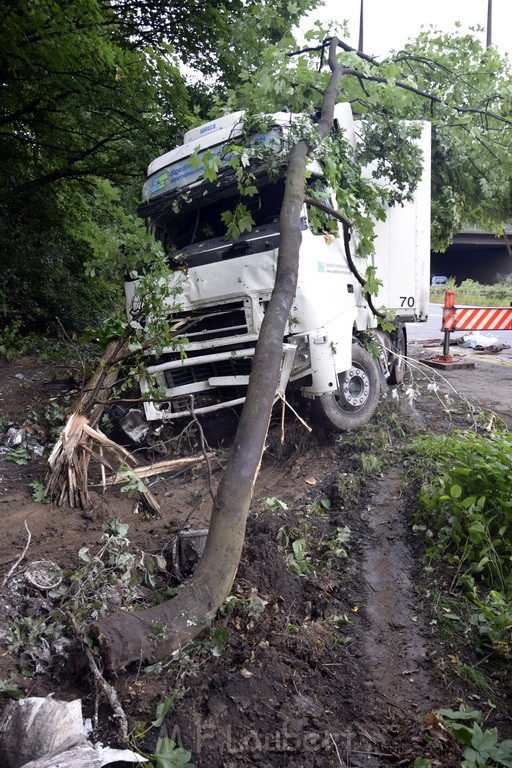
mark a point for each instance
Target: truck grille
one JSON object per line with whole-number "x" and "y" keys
{"x": 191, "y": 374}
{"x": 212, "y": 322}
{"x": 219, "y": 344}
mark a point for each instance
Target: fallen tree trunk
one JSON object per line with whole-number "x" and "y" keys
{"x": 100, "y": 384}
{"x": 159, "y": 467}
{"x": 157, "y": 632}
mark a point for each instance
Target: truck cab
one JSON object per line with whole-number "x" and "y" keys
{"x": 219, "y": 288}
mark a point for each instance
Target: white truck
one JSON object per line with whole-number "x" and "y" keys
{"x": 224, "y": 286}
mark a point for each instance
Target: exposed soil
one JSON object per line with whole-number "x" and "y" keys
{"x": 345, "y": 660}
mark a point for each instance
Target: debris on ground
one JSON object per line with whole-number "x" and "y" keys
{"x": 188, "y": 547}
{"x": 43, "y": 574}
{"x": 61, "y": 385}
{"x": 42, "y": 732}
{"x": 480, "y": 341}
{"x": 495, "y": 349}
{"x": 28, "y": 437}
{"x": 290, "y": 675}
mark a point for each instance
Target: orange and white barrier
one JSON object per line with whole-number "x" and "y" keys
{"x": 477, "y": 319}
{"x": 471, "y": 319}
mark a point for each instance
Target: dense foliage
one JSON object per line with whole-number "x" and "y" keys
{"x": 473, "y": 293}
{"x": 467, "y": 506}
{"x": 93, "y": 90}
{"x": 452, "y": 81}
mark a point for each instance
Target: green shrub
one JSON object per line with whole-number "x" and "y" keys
{"x": 467, "y": 504}
{"x": 474, "y": 293}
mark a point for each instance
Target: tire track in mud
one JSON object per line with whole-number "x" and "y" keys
{"x": 393, "y": 649}
{"x": 393, "y": 643}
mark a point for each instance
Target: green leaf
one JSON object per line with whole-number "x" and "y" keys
{"x": 468, "y": 501}
{"x": 219, "y": 640}
{"x": 503, "y": 753}
{"x": 299, "y": 547}
{"x": 168, "y": 755}
{"x": 161, "y": 712}
{"x": 83, "y": 554}
{"x": 20, "y": 456}
{"x": 10, "y": 688}
{"x": 210, "y": 174}
{"x": 274, "y": 503}
{"x": 39, "y": 492}
{"x": 483, "y": 741}
{"x": 245, "y": 223}
{"x": 459, "y": 714}
{"x": 462, "y": 733}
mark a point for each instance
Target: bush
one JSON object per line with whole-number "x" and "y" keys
{"x": 468, "y": 509}
{"x": 474, "y": 293}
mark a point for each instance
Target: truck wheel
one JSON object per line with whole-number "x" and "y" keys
{"x": 354, "y": 402}
{"x": 399, "y": 346}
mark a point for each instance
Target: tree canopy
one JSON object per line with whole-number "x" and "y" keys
{"x": 93, "y": 90}
{"x": 463, "y": 89}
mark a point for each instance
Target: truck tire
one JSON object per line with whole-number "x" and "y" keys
{"x": 354, "y": 402}
{"x": 398, "y": 365}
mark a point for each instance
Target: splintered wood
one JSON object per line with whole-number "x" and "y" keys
{"x": 70, "y": 458}
{"x": 81, "y": 441}
{"x": 71, "y": 455}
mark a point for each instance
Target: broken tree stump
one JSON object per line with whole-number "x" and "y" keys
{"x": 68, "y": 474}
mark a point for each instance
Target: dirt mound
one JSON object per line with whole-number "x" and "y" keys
{"x": 324, "y": 653}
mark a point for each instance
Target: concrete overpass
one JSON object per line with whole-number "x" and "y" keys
{"x": 474, "y": 254}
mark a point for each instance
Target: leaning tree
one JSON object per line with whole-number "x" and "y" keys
{"x": 463, "y": 91}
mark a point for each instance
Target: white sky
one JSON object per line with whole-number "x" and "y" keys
{"x": 389, "y": 23}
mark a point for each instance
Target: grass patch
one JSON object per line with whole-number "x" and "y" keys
{"x": 466, "y": 512}
{"x": 476, "y": 294}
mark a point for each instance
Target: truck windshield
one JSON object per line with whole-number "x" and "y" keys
{"x": 202, "y": 220}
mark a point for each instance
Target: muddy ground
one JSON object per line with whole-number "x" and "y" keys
{"x": 334, "y": 664}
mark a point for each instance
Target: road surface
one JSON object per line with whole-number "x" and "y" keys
{"x": 487, "y": 385}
